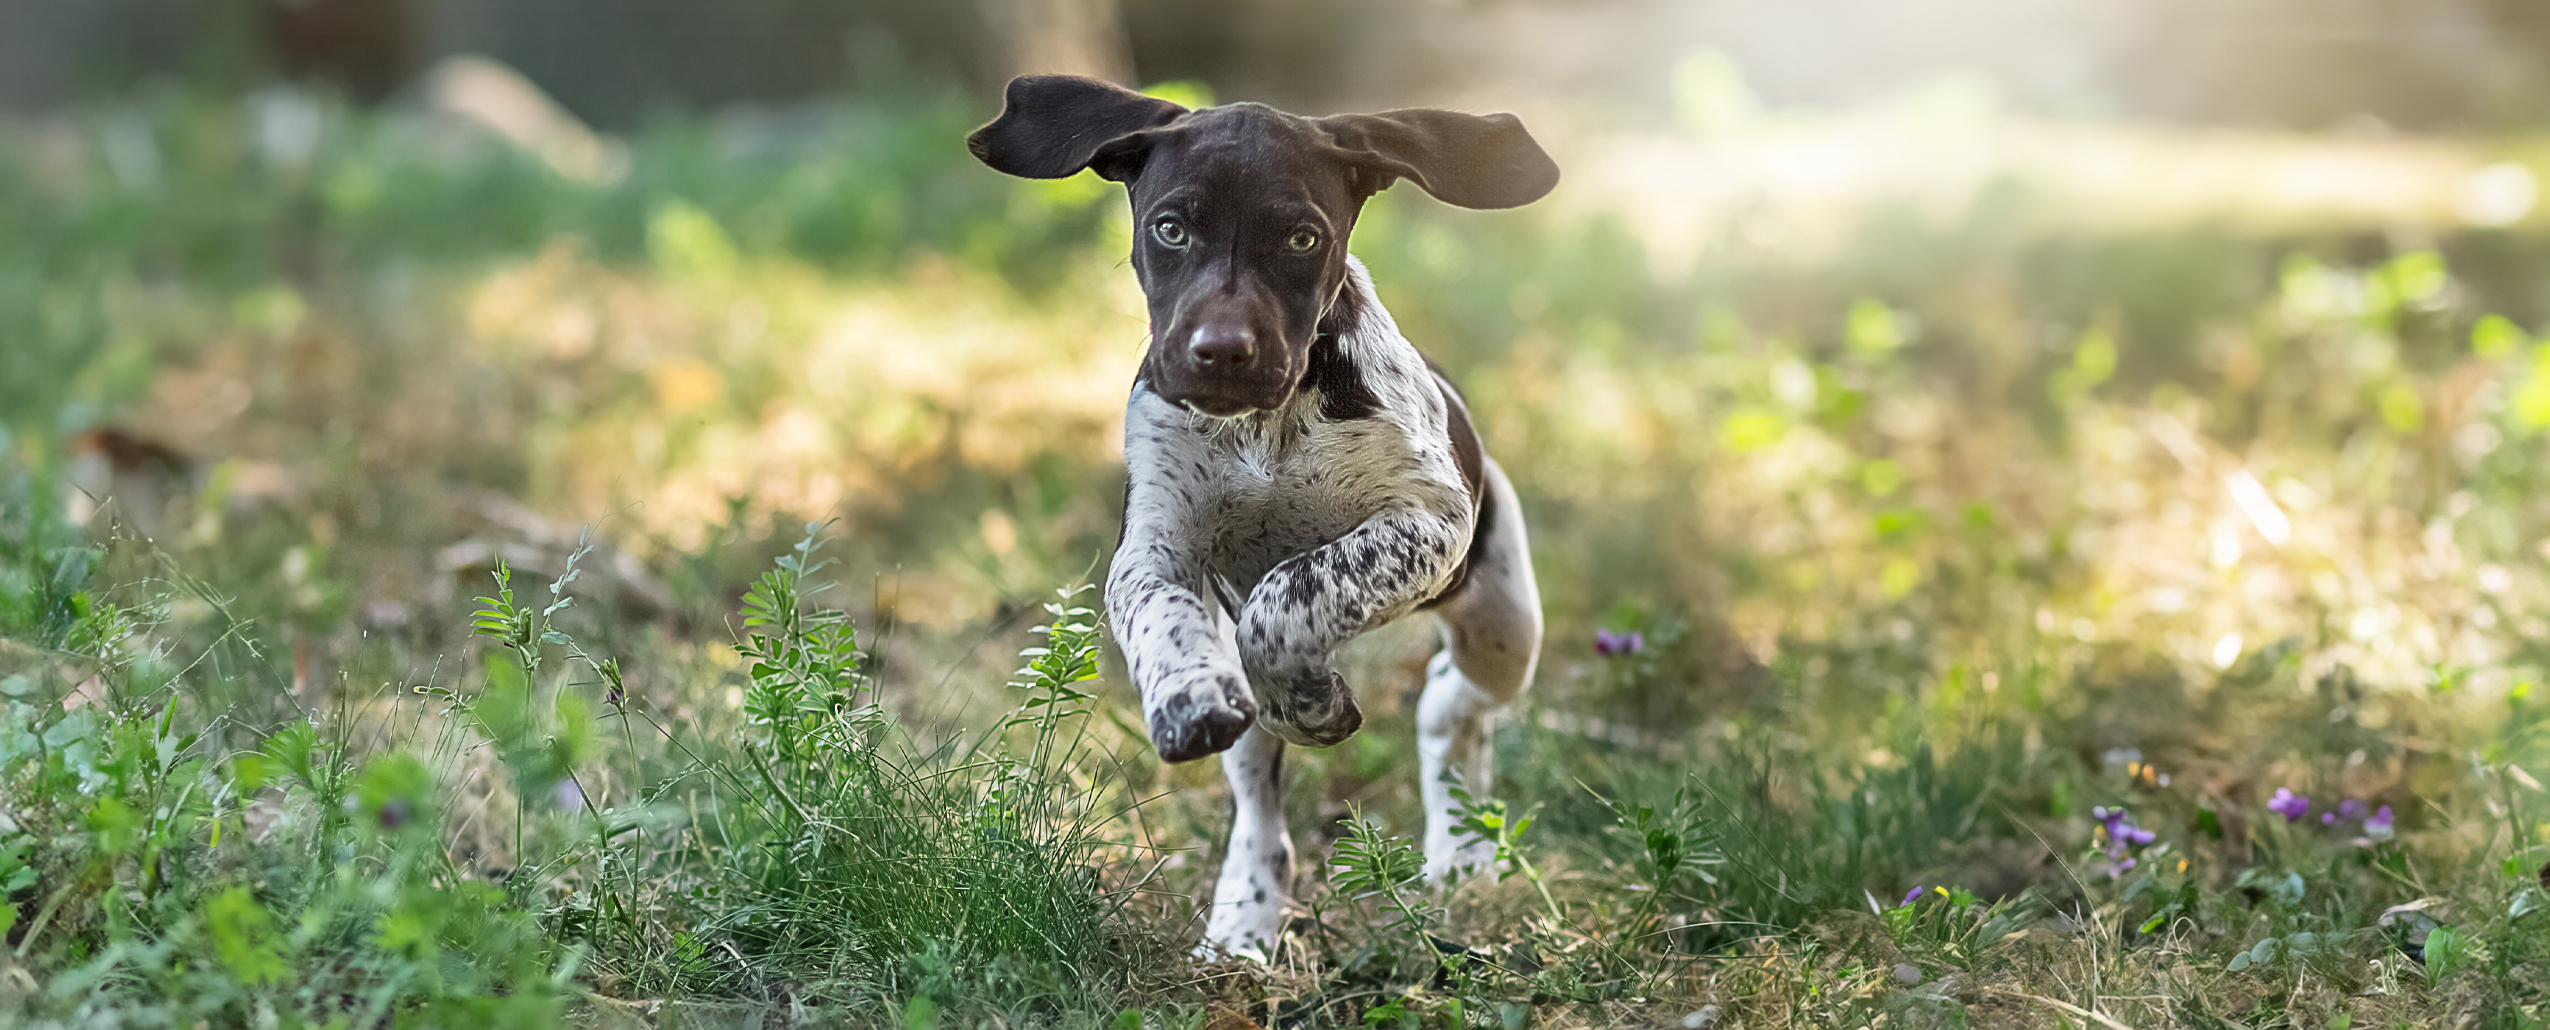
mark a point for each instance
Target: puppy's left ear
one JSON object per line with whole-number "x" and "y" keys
{"x": 1052, "y": 125}
{"x": 1467, "y": 160}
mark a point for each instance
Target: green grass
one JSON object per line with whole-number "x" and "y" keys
{"x": 1937, "y": 548}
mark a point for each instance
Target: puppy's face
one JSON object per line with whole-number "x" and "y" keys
{"x": 1242, "y": 213}
{"x": 1241, "y": 216}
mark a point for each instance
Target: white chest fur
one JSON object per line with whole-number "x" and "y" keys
{"x": 1274, "y": 484}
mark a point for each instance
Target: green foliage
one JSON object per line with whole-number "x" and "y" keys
{"x": 1069, "y": 656}
{"x": 1369, "y": 865}
{"x": 855, "y": 849}
{"x": 2295, "y": 948}
{"x": 244, "y": 935}
{"x": 861, "y": 850}
{"x": 1490, "y": 822}
{"x": 1674, "y": 845}
{"x": 804, "y": 665}
{"x": 153, "y": 908}
{"x": 2447, "y": 952}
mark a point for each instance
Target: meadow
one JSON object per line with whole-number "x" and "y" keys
{"x": 444, "y": 583}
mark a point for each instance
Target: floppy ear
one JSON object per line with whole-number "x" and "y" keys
{"x": 1468, "y": 160}
{"x": 1054, "y": 124}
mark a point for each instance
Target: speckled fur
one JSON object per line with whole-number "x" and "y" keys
{"x": 1315, "y": 530}
{"x": 1299, "y": 474}
{"x": 1257, "y": 545}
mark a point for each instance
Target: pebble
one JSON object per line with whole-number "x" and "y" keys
{"x": 1707, "y": 1016}
{"x": 1908, "y": 974}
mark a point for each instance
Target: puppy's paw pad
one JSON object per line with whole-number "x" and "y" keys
{"x": 1191, "y": 723}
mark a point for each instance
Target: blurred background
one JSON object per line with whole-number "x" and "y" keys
{"x": 2160, "y": 375}
{"x": 2429, "y": 65}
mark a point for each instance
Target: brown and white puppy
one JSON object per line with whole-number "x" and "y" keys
{"x": 1299, "y": 473}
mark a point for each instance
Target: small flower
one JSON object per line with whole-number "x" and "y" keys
{"x": 570, "y": 795}
{"x": 2350, "y": 809}
{"x": 2288, "y": 804}
{"x": 614, "y": 697}
{"x": 1614, "y": 645}
{"x": 2117, "y": 825}
{"x": 2120, "y": 829}
{"x": 1911, "y": 896}
{"x": 2378, "y": 825}
{"x": 2328, "y": 818}
{"x": 393, "y": 814}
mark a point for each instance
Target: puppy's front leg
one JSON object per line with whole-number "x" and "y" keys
{"x": 1195, "y": 697}
{"x": 1314, "y": 602}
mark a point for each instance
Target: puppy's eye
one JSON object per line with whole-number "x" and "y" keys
{"x": 1302, "y": 240}
{"x": 1169, "y": 232}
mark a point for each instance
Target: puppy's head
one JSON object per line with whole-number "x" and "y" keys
{"x": 1241, "y": 212}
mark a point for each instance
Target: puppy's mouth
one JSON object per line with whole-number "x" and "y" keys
{"x": 1218, "y": 384}
{"x": 1223, "y": 398}
{"x": 1220, "y": 407}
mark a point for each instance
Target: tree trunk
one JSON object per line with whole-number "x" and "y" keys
{"x": 1077, "y": 37}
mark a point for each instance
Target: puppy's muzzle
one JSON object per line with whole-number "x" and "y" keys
{"x": 1226, "y": 367}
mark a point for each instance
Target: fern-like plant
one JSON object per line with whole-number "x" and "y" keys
{"x": 1069, "y": 656}
{"x": 1369, "y": 865}
{"x": 805, "y": 665}
{"x": 525, "y": 632}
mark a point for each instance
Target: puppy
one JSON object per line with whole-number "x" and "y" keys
{"x": 1298, "y": 472}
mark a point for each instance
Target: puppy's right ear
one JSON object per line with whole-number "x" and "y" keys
{"x": 1054, "y": 125}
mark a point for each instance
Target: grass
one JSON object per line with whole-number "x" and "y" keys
{"x": 1944, "y": 544}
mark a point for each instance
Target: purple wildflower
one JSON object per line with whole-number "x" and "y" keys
{"x": 2117, "y": 825}
{"x": 2378, "y": 825}
{"x": 2350, "y": 809}
{"x": 1912, "y": 895}
{"x": 1614, "y": 645}
{"x": 2121, "y": 831}
{"x": 393, "y": 814}
{"x": 2288, "y": 804}
{"x": 2328, "y": 818}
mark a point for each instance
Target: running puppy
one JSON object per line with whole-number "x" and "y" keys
{"x": 1299, "y": 473}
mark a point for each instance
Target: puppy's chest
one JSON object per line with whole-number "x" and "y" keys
{"x": 1280, "y": 498}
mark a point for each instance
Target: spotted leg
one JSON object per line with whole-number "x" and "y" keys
{"x": 1257, "y": 864}
{"x": 1195, "y": 694}
{"x": 1298, "y": 615}
{"x": 1492, "y": 639}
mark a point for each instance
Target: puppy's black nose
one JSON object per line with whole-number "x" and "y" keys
{"x": 1231, "y": 345}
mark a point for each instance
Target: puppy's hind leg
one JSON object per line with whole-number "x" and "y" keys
{"x": 1492, "y": 640}
{"x": 1257, "y": 867}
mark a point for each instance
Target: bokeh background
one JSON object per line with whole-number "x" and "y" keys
{"x": 2093, "y": 385}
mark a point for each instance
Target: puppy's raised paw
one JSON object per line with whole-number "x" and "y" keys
{"x": 1205, "y": 717}
{"x": 1318, "y": 711}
